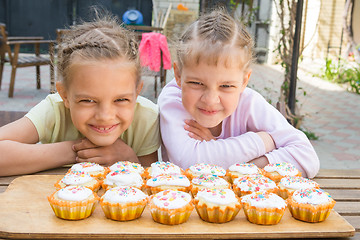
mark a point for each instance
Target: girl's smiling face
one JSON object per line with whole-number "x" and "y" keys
{"x": 101, "y": 96}
{"x": 211, "y": 93}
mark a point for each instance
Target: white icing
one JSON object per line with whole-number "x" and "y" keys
{"x": 87, "y": 167}
{"x": 254, "y": 183}
{"x": 169, "y": 180}
{"x": 124, "y": 195}
{"x": 136, "y": 167}
{"x": 209, "y": 181}
{"x": 171, "y": 199}
{"x": 158, "y": 168}
{"x": 264, "y": 200}
{"x": 76, "y": 178}
{"x": 311, "y": 196}
{"x": 217, "y": 196}
{"x": 284, "y": 169}
{"x": 297, "y": 183}
{"x": 244, "y": 168}
{"x": 74, "y": 193}
{"x": 204, "y": 168}
{"x": 123, "y": 178}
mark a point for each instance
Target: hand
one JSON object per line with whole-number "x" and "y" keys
{"x": 88, "y": 152}
{"x": 197, "y": 131}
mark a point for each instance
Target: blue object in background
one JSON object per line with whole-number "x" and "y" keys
{"x": 132, "y": 17}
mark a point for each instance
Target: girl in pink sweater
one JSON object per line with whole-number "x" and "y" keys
{"x": 207, "y": 114}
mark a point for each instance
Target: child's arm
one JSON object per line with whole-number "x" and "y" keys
{"x": 21, "y": 155}
{"x": 119, "y": 151}
{"x": 198, "y": 132}
{"x": 240, "y": 142}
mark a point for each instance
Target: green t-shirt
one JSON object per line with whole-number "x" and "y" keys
{"x": 53, "y": 124}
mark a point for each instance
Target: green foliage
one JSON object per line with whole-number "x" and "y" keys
{"x": 309, "y": 135}
{"x": 342, "y": 73}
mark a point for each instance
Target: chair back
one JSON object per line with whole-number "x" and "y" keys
{"x": 4, "y": 47}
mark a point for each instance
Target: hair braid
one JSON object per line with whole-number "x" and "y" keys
{"x": 101, "y": 39}
{"x": 215, "y": 35}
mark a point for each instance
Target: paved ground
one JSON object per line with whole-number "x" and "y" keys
{"x": 330, "y": 112}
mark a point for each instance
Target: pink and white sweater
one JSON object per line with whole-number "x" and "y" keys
{"x": 238, "y": 141}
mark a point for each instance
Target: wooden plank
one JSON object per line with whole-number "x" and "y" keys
{"x": 338, "y": 173}
{"x": 348, "y": 208}
{"x": 5, "y": 181}
{"x": 38, "y": 221}
{"x": 339, "y": 183}
{"x": 354, "y": 221}
{"x": 344, "y": 194}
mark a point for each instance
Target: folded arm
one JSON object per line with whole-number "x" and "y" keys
{"x": 21, "y": 155}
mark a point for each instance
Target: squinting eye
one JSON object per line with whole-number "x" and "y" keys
{"x": 196, "y": 83}
{"x": 227, "y": 86}
{"x": 121, "y": 100}
{"x": 87, "y": 101}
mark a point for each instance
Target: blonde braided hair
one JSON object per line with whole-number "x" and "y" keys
{"x": 213, "y": 36}
{"x": 98, "y": 40}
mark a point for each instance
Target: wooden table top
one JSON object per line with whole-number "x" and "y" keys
{"x": 343, "y": 185}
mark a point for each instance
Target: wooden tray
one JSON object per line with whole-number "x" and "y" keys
{"x": 26, "y": 213}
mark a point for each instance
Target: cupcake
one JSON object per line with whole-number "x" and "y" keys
{"x": 158, "y": 168}
{"x": 123, "y": 178}
{"x": 310, "y": 205}
{"x": 207, "y": 181}
{"x": 217, "y": 205}
{"x": 288, "y": 185}
{"x": 171, "y": 207}
{"x": 73, "y": 202}
{"x": 123, "y": 203}
{"x": 253, "y": 183}
{"x": 276, "y": 171}
{"x": 204, "y": 168}
{"x": 95, "y": 170}
{"x": 168, "y": 181}
{"x": 242, "y": 169}
{"x": 131, "y": 166}
{"x": 263, "y": 208}
{"x": 74, "y": 178}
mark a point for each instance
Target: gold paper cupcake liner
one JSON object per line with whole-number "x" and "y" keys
{"x": 73, "y": 210}
{"x": 308, "y": 212}
{"x": 171, "y": 216}
{"x": 123, "y": 212}
{"x": 263, "y": 216}
{"x": 217, "y": 214}
{"x": 73, "y": 213}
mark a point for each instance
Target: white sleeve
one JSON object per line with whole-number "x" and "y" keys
{"x": 292, "y": 145}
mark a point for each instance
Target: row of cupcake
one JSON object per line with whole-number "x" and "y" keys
{"x": 214, "y": 200}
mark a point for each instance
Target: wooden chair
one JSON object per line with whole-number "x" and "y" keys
{"x": 139, "y": 30}
{"x": 159, "y": 24}
{"x": 10, "y": 46}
